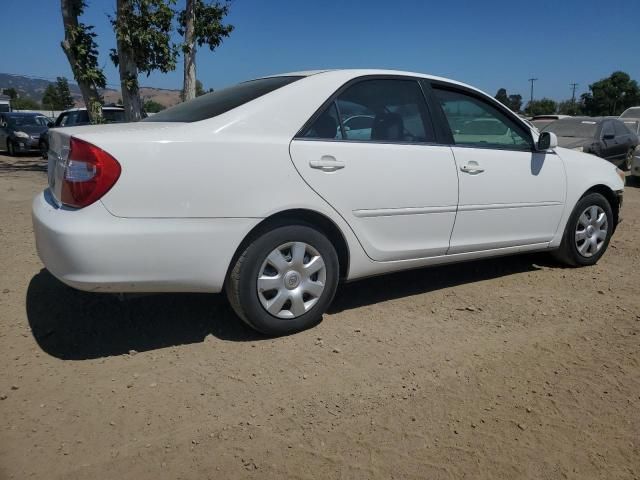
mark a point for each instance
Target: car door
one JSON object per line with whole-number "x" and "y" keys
{"x": 510, "y": 194}
{"x": 613, "y": 148}
{"x": 625, "y": 137}
{"x": 395, "y": 187}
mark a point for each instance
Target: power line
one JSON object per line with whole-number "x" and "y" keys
{"x": 532, "y": 80}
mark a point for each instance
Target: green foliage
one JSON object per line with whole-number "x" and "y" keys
{"x": 143, "y": 27}
{"x": 545, "y": 106}
{"x": 209, "y": 28}
{"x": 199, "y": 88}
{"x": 11, "y": 92}
{"x": 514, "y": 102}
{"x": 611, "y": 95}
{"x": 151, "y": 106}
{"x": 57, "y": 96}
{"x": 569, "y": 107}
{"x": 25, "y": 103}
{"x": 84, "y": 49}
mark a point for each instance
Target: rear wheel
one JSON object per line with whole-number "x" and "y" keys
{"x": 628, "y": 159}
{"x": 588, "y": 232}
{"x": 284, "y": 280}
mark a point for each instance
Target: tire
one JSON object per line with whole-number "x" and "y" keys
{"x": 11, "y": 150}
{"x": 284, "y": 258}
{"x": 626, "y": 166}
{"x": 586, "y": 221}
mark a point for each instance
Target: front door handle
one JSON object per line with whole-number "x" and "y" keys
{"x": 327, "y": 163}
{"x": 472, "y": 168}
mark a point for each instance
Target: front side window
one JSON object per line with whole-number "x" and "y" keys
{"x": 621, "y": 129}
{"x": 474, "y": 122}
{"x": 379, "y": 110}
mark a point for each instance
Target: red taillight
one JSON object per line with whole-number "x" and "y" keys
{"x": 90, "y": 173}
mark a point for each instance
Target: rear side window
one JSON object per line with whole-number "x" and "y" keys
{"x": 474, "y": 122}
{"x": 220, "y": 101}
{"x": 378, "y": 110}
{"x": 113, "y": 116}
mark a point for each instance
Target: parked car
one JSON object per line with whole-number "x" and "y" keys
{"x": 541, "y": 121}
{"x": 79, "y": 116}
{"x": 256, "y": 190}
{"x": 20, "y": 131}
{"x": 631, "y": 118}
{"x": 608, "y": 138}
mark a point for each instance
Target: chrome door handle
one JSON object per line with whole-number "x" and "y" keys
{"x": 327, "y": 164}
{"x": 472, "y": 167}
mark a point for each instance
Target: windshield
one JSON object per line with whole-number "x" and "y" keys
{"x": 220, "y": 101}
{"x": 573, "y": 128}
{"x": 23, "y": 121}
{"x": 631, "y": 113}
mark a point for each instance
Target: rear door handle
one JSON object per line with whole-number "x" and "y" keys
{"x": 472, "y": 168}
{"x": 327, "y": 163}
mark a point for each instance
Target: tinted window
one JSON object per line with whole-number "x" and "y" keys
{"x": 326, "y": 125}
{"x": 220, "y": 101}
{"x": 113, "y": 116}
{"x": 475, "y": 122}
{"x": 382, "y": 110}
{"x": 607, "y": 129}
{"x": 620, "y": 129}
{"x": 62, "y": 120}
{"x": 571, "y": 127}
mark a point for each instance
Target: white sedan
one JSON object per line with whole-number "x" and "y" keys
{"x": 259, "y": 190}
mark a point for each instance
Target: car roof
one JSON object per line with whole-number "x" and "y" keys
{"x": 23, "y": 114}
{"x": 359, "y": 72}
{"x": 84, "y": 109}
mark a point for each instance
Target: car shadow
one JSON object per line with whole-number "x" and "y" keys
{"x": 23, "y": 163}
{"x": 74, "y": 325}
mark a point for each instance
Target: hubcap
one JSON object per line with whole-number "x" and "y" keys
{"x": 591, "y": 231}
{"x": 291, "y": 280}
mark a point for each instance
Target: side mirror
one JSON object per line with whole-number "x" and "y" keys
{"x": 609, "y": 136}
{"x": 547, "y": 140}
{"x": 50, "y": 124}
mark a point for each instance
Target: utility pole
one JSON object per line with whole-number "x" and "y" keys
{"x": 573, "y": 91}
{"x": 532, "y": 80}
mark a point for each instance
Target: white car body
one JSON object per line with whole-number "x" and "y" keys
{"x": 190, "y": 193}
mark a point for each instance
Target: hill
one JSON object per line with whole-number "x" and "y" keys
{"x": 34, "y": 88}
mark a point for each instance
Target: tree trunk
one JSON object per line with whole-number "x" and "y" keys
{"x": 90, "y": 95}
{"x": 189, "y": 84}
{"x": 128, "y": 72}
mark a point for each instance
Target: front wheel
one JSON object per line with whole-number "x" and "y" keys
{"x": 628, "y": 160}
{"x": 284, "y": 280}
{"x": 588, "y": 232}
{"x": 11, "y": 149}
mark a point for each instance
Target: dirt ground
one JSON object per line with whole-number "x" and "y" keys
{"x": 509, "y": 368}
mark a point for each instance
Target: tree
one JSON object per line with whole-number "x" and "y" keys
{"x": 25, "y": 103}
{"x": 11, "y": 92}
{"x": 611, "y": 95}
{"x": 81, "y": 50}
{"x": 502, "y": 96}
{"x": 200, "y": 23}
{"x": 514, "y": 102}
{"x": 151, "y": 106}
{"x": 65, "y": 100}
{"x": 545, "y": 106}
{"x": 50, "y": 97}
{"x": 143, "y": 29}
{"x": 199, "y": 88}
{"x": 569, "y": 107}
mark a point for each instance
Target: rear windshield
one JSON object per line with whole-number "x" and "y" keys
{"x": 573, "y": 128}
{"x": 220, "y": 101}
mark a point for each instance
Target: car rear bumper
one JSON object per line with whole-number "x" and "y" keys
{"x": 90, "y": 249}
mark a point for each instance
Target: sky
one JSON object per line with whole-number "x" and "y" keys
{"x": 486, "y": 43}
